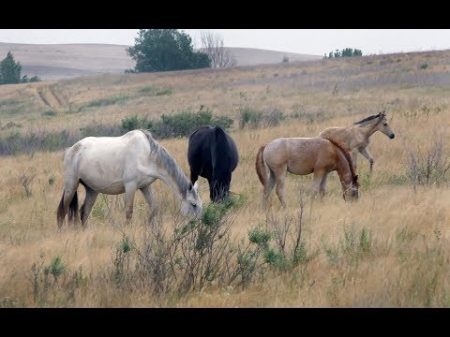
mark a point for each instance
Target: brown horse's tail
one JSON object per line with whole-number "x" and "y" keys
{"x": 73, "y": 210}
{"x": 261, "y": 166}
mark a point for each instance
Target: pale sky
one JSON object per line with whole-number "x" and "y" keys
{"x": 303, "y": 41}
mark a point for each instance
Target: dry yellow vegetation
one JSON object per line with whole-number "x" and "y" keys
{"x": 389, "y": 249}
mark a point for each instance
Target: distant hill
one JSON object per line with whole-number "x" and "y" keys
{"x": 58, "y": 61}
{"x": 251, "y": 56}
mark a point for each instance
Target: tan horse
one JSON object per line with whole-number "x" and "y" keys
{"x": 303, "y": 156}
{"x": 355, "y": 138}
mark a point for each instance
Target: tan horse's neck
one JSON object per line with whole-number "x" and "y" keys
{"x": 368, "y": 128}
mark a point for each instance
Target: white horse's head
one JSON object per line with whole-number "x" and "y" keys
{"x": 191, "y": 203}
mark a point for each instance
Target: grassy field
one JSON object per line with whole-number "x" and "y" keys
{"x": 389, "y": 249}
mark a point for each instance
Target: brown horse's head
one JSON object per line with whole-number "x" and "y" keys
{"x": 352, "y": 192}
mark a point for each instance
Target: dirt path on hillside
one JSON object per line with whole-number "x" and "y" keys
{"x": 51, "y": 97}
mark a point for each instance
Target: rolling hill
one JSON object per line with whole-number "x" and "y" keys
{"x": 59, "y": 61}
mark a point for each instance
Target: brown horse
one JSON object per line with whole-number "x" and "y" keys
{"x": 302, "y": 156}
{"x": 355, "y": 138}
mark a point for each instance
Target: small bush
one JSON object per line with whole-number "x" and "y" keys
{"x": 250, "y": 117}
{"x": 55, "y": 268}
{"x": 134, "y": 122}
{"x": 49, "y": 113}
{"x": 255, "y": 119}
{"x": 430, "y": 166}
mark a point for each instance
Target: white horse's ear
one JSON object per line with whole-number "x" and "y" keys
{"x": 196, "y": 186}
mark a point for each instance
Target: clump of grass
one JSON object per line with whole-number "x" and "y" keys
{"x": 155, "y": 91}
{"x": 49, "y": 113}
{"x": 112, "y": 100}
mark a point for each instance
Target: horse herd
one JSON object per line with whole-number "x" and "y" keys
{"x": 117, "y": 165}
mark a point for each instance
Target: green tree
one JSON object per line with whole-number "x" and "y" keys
{"x": 10, "y": 70}
{"x": 164, "y": 50}
{"x": 347, "y": 52}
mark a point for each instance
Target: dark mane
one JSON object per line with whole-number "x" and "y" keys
{"x": 349, "y": 160}
{"x": 369, "y": 118}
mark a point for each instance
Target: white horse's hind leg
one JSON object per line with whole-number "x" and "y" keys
{"x": 148, "y": 195}
{"x": 130, "y": 190}
{"x": 89, "y": 201}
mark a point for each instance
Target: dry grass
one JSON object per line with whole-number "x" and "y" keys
{"x": 406, "y": 253}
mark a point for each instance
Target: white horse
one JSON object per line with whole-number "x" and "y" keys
{"x": 355, "y": 138}
{"x": 116, "y": 165}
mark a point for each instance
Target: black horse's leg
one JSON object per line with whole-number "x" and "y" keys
{"x": 194, "y": 177}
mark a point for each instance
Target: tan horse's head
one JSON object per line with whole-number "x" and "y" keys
{"x": 191, "y": 203}
{"x": 383, "y": 126}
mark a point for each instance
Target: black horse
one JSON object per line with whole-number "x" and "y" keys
{"x": 213, "y": 155}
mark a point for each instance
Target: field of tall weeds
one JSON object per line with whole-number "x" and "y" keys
{"x": 388, "y": 249}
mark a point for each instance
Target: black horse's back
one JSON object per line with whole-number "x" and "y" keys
{"x": 212, "y": 154}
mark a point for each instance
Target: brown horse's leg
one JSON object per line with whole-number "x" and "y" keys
{"x": 268, "y": 188}
{"x": 280, "y": 176}
{"x": 89, "y": 201}
{"x": 319, "y": 182}
{"x": 323, "y": 184}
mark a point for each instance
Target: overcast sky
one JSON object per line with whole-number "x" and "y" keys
{"x": 304, "y": 41}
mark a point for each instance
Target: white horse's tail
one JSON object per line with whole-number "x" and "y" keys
{"x": 73, "y": 210}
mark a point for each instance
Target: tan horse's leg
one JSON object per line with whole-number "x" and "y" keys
{"x": 367, "y": 155}
{"x": 148, "y": 196}
{"x": 130, "y": 190}
{"x": 354, "y": 155}
{"x": 89, "y": 201}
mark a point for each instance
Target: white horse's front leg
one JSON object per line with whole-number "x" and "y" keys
{"x": 148, "y": 196}
{"x": 130, "y": 190}
{"x": 366, "y": 154}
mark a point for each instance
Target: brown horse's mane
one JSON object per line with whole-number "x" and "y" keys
{"x": 349, "y": 159}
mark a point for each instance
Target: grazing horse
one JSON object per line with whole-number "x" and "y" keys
{"x": 302, "y": 156}
{"x": 355, "y": 138}
{"x": 213, "y": 155}
{"x": 116, "y": 165}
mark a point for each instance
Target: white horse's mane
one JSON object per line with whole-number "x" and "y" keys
{"x": 164, "y": 159}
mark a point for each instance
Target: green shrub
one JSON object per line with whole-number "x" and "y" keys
{"x": 49, "y": 113}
